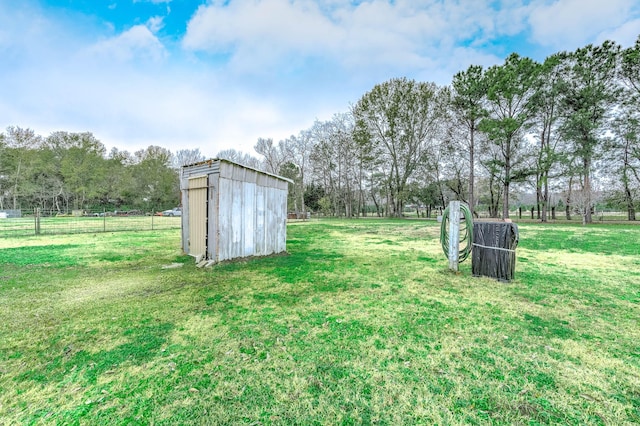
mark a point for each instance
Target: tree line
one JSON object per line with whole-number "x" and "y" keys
{"x": 549, "y": 128}
{"x": 66, "y": 171}
{"x": 565, "y": 129}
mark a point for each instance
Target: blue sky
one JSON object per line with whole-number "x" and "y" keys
{"x": 218, "y": 74}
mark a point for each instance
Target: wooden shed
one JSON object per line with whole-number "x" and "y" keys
{"x": 231, "y": 211}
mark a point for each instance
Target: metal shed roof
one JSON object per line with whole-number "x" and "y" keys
{"x": 213, "y": 166}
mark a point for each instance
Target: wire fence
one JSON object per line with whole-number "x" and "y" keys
{"x": 529, "y": 214}
{"x": 576, "y": 216}
{"x": 50, "y": 223}
{"x": 16, "y": 223}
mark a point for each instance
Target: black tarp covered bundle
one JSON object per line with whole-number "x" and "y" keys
{"x": 494, "y": 250}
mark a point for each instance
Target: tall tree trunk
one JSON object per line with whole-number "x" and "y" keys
{"x": 507, "y": 180}
{"x": 628, "y": 197}
{"x": 494, "y": 200}
{"x": 304, "y": 208}
{"x": 587, "y": 190}
{"x": 631, "y": 210}
{"x": 471, "y": 170}
{"x": 538, "y": 191}
{"x": 567, "y": 205}
{"x": 375, "y": 202}
{"x": 545, "y": 197}
{"x": 505, "y": 201}
{"x": 539, "y": 171}
{"x": 440, "y": 192}
{"x": 389, "y": 201}
{"x": 360, "y": 200}
{"x": 15, "y": 186}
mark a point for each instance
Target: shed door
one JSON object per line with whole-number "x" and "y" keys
{"x": 198, "y": 216}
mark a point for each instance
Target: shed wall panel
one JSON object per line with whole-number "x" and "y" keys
{"x": 237, "y": 222}
{"x": 260, "y": 237}
{"x": 198, "y": 216}
{"x": 213, "y": 224}
{"x": 281, "y": 219}
{"x": 238, "y": 174}
{"x": 224, "y": 214}
{"x": 272, "y": 202}
{"x": 249, "y": 217}
{"x": 226, "y": 170}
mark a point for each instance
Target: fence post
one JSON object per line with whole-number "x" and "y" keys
{"x": 454, "y": 234}
{"x": 37, "y": 221}
{"x": 152, "y": 219}
{"x": 104, "y": 220}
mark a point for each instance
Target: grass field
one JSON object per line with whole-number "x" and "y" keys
{"x": 360, "y": 324}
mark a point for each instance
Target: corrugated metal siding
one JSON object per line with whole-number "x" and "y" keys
{"x": 280, "y": 217}
{"x": 246, "y": 210}
{"x": 224, "y": 215}
{"x": 260, "y": 231}
{"x": 237, "y": 219}
{"x": 213, "y": 222}
{"x": 249, "y": 215}
{"x": 198, "y": 215}
{"x": 252, "y": 220}
{"x": 203, "y": 168}
{"x": 271, "y": 227}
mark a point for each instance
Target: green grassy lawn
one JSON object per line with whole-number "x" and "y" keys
{"x": 360, "y": 324}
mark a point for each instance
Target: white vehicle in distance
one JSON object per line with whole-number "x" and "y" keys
{"x": 173, "y": 212}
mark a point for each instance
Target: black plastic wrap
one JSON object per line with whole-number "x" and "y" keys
{"x": 494, "y": 250}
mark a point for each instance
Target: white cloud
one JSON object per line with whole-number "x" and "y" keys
{"x": 567, "y": 24}
{"x": 626, "y": 35}
{"x": 295, "y": 26}
{"x": 394, "y": 35}
{"x": 155, "y": 24}
{"x": 511, "y": 18}
{"x": 138, "y": 42}
{"x": 459, "y": 59}
{"x": 130, "y": 107}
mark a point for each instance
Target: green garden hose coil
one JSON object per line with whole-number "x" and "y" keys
{"x": 466, "y": 233}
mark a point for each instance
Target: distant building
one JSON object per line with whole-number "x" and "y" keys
{"x": 10, "y": 214}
